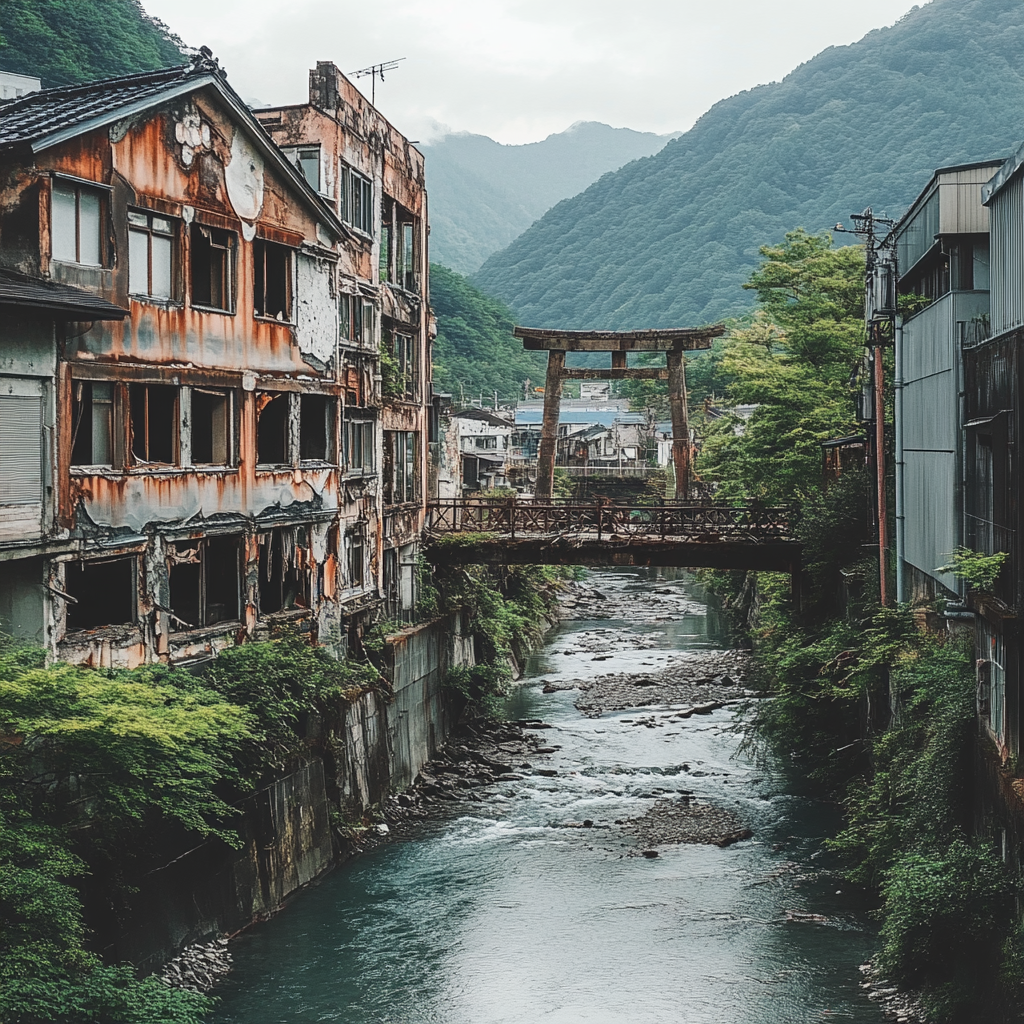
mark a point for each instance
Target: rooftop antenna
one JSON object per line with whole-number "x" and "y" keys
{"x": 376, "y": 71}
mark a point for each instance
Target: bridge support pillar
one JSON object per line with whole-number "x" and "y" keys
{"x": 549, "y": 427}
{"x": 676, "y": 361}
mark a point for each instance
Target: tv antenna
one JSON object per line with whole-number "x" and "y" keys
{"x": 376, "y": 71}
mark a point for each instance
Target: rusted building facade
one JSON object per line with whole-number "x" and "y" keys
{"x": 373, "y": 179}
{"x": 212, "y": 456}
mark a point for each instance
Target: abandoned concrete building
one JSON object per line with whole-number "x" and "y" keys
{"x": 373, "y": 179}
{"x": 192, "y": 442}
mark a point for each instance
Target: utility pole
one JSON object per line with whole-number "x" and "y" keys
{"x": 880, "y": 321}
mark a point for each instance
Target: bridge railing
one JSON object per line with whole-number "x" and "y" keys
{"x": 698, "y": 521}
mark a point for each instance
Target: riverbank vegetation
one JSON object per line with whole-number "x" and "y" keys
{"x": 871, "y": 710}
{"x": 97, "y": 768}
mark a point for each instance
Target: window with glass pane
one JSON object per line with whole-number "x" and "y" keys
{"x": 307, "y": 160}
{"x": 76, "y": 224}
{"x": 356, "y": 204}
{"x": 358, "y": 440}
{"x": 151, "y": 239}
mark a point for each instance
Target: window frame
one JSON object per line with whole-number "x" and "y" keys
{"x": 262, "y": 245}
{"x": 354, "y": 184}
{"x": 175, "y": 261}
{"x": 365, "y": 429}
{"x": 203, "y": 544}
{"x": 293, "y": 154}
{"x": 78, "y": 186}
{"x": 230, "y": 275}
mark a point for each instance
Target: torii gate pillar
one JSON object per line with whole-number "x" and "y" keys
{"x": 673, "y": 342}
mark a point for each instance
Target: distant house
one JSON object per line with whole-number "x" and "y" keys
{"x": 482, "y": 440}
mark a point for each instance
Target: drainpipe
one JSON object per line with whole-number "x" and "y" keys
{"x": 883, "y": 522}
{"x": 898, "y": 399}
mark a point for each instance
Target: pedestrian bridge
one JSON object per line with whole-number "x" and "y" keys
{"x": 686, "y": 534}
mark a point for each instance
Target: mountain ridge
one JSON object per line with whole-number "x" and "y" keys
{"x": 669, "y": 240}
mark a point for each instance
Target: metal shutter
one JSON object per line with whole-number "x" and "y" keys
{"x": 21, "y": 450}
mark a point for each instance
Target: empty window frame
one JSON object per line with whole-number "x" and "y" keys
{"x": 405, "y": 349}
{"x": 153, "y": 414}
{"x": 92, "y": 424}
{"x": 285, "y": 569}
{"x": 359, "y": 445}
{"x": 273, "y": 280}
{"x": 355, "y": 557}
{"x": 400, "y": 448}
{"x": 273, "y": 412}
{"x": 204, "y": 576}
{"x": 212, "y": 259}
{"x": 486, "y": 442}
{"x": 212, "y": 422}
{"x": 317, "y": 417}
{"x": 405, "y": 256}
{"x": 307, "y": 160}
{"x": 104, "y": 593}
{"x": 76, "y": 224}
{"x": 356, "y": 320}
{"x": 152, "y": 245}
{"x": 356, "y": 199}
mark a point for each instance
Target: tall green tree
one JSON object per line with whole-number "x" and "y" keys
{"x": 793, "y": 362}
{"x": 65, "y": 42}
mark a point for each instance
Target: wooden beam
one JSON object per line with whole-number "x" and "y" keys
{"x": 680, "y": 422}
{"x": 549, "y": 427}
{"x": 632, "y": 373}
{"x": 656, "y": 340}
{"x": 592, "y": 344}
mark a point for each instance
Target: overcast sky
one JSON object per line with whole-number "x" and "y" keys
{"x": 518, "y": 70}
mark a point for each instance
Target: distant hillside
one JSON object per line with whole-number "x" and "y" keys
{"x": 64, "y": 42}
{"x": 484, "y": 194}
{"x": 475, "y": 353}
{"x": 669, "y": 240}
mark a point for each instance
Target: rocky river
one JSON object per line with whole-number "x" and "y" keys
{"x": 613, "y": 858}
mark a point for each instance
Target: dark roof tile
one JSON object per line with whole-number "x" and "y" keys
{"x": 33, "y": 296}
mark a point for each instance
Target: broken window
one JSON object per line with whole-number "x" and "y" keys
{"x": 284, "y": 581}
{"x": 76, "y": 224}
{"x": 406, "y": 351}
{"x": 405, "y": 256}
{"x": 272, "y": 436}
{"x": 151, "y": 252}
{"x": 307, "y": 160}
{"x": 92, "y": 425}
{"x": 204, "y": 582}
{"x": 487, "y": 442}
{"x": 273, "y": 286}
{"x": 316, "y": 428}
{"x": 213, "y": 267}
{"x": 400, "y": 449}
{"x": 358, "y": 436}
{"x": 356, "y": 200}
{"x": 356, "y": 317}
{"x": 355, "y": 556}
{"x": 104, "y": 593}
{"x": 154, "y": 423}
{"x": 211, "y": 428}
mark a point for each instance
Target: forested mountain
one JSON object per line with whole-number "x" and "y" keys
{"x": 484, "y": 194}
{"x": 668, "y": 240}
{"x": 475, "y": 353}
{"x": 68, "y": 41}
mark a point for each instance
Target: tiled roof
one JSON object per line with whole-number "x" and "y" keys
{"x": 38, "y": 115}
{"x": 30, "y": 295}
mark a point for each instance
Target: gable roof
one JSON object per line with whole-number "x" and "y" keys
{"x": 49, "y": 117}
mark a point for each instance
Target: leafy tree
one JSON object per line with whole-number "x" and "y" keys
{"x": 475, "y": 351}
{"x": 65, "y": 42}
{"x": 793, "y": 363}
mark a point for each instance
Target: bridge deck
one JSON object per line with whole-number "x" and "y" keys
{"x": 685, "y": 534}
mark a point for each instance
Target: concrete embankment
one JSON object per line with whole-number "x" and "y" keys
{"x": 292, "y": 830}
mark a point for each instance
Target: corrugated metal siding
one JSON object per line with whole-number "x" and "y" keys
{"x": 960, "y": 209}
{"x": 1007, "y": 249}
{"x": 930, "y": 515}
{"x": 918, "y": 235}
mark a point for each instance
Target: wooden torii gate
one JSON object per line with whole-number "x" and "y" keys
{"x": 674, "y": 342}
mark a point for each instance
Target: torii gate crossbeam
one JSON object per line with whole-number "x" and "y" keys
{"x": 674, "y": 342}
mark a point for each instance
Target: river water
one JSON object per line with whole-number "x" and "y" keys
{"x": 493, "y": 916}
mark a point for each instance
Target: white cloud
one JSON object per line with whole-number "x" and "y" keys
{"x": 518, "y": 70}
